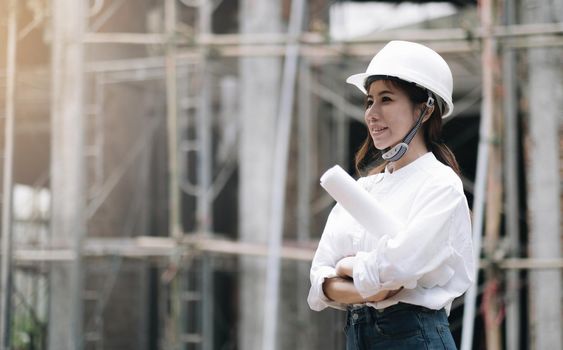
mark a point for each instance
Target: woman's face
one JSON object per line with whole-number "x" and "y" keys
{"x": 389, "y": 114}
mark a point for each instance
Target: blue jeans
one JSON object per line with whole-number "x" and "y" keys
{"x": 401, "y": 326}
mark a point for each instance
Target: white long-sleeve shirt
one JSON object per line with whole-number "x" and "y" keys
{"x": 429, "y": 254}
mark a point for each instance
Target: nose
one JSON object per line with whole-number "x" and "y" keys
{"x": 371, "y": 115}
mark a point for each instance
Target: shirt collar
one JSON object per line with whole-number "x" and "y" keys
{"x": 419, "y": 163}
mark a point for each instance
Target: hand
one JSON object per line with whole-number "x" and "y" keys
{"x": 378, "y": 297}
{"x": 342, "y": 290}
{"x": 345, "y": 267}
{"x": 383, "y": 295}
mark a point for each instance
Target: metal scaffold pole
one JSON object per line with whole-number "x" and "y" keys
{"x": 172, "y": 120}
{"x": 305, "y": 132}
{"x": 7, "y": 188}
{"x": 482, "y": 169}
{"x": 173, "y": 333}
{"x": 205, "y": 171}
{"x": 511, "y": 152}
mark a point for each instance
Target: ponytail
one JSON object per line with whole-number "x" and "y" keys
{"x": 445, "y": 155}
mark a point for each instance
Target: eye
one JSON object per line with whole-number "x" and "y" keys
{"x": 386, "y": 99}
{"x": 369, "y": 103}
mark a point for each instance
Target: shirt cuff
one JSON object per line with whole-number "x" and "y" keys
{"x": 366, "y": 280}
{"x": 317, "y": 300}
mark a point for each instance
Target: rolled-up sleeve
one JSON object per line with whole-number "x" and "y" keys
{"x": 329, "y": 251}
{"x": 418, "y": 253}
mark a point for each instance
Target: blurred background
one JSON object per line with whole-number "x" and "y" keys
{"x": 160, "y": 165}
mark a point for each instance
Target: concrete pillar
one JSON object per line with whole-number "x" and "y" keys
{"x": 259, "y": 88}
{"x": 545, "y": 91}
{"x": 67, "y": 173}
{"x": 6, "y": 273}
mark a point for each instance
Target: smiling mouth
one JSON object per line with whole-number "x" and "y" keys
{"x": 377, "y": 131}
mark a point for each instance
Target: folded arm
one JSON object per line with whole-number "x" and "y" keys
{"x": 342, "y": 290}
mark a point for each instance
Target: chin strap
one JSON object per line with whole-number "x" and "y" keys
{"x": 396, "y": 152}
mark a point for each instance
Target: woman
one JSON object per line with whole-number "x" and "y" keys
{"x": 398, "y": 289}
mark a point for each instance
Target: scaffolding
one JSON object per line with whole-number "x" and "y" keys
{"x": 185, "y": 258}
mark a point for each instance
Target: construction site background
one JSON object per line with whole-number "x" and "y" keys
{"x": 160, "y": 165}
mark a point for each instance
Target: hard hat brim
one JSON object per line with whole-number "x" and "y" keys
{"x": 358, "y": 80}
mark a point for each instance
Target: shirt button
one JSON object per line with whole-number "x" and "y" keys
{"x": 355, "y": 317}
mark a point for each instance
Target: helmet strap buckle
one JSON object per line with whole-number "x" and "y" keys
{"x": 398, "y": 151}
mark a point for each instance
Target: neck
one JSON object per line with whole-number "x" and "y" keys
{"x": 417, "y": 149}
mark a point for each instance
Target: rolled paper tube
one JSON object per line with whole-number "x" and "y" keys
{"x": 359, "y": 203}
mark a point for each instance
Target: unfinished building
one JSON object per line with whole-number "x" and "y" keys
{"x": 161, "y": 163}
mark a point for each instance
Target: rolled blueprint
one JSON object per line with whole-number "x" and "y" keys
{"x": 359, "y": 203}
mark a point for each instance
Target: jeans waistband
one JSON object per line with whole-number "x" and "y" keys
{"x": 396, "y": 307}
{"x": 357, "y": 314}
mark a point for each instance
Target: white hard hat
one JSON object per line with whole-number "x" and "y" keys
{"x": 413, "y": 63}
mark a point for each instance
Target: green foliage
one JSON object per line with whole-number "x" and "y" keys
{"x": 28, "y": 333}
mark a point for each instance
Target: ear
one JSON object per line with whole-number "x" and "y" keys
{"x": 428, "y": 113}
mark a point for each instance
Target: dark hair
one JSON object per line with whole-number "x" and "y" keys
{"x": 368, "y": 157}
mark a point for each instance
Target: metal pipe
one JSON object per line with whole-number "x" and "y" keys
{"x": 135, "y": 64}
{"x": 126, "y": 38}
{"x": 342, "y": 131}
{"x": 174, "y": 227}
{"x": 205, "y": 171}
{"x": 280, "y": 157}
{"x": 330, "y": 96}
{"x": 7, "y": 186}
{"x": 511, "y": 183}
{"x": 103, "y": 17}
{"x": 149, "y": 247}
{"x": 482, "y": 167}
{"x": 172, "y": 122}
{"x": 304, "y": 166}
{"x": 304, "y": 155}
{"x": 118, "y": 173}
{"x": 257, "y": 39}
